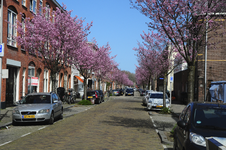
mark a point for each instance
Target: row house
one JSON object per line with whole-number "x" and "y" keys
{"x": 26, "y": 73}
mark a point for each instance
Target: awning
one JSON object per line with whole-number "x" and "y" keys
{"x": 79, "y": 79}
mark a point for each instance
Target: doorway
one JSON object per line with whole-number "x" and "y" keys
{"x": 11, "y": 84}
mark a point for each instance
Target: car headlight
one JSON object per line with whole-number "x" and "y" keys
{"x": 43, "y": 111}
{"x": 16, "y": 111}
{"x": 197, "y": 139}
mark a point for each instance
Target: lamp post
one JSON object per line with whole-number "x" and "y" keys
{"x": 1, "y": 36}
{"x": 205, "y": 59}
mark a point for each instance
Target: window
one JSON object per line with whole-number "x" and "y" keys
{"x": 40, "y": 6}
{"x": 24, "y": 3}
{"x": 45, "y": 88}
{"x": 23, "y": 26}
{"x": 47, "y": 10}
{"x": 11, "y": 30}
{"x": 33, "y": 4}
{"x": 31, "y": 73}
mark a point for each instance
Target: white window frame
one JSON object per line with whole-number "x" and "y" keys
{"x": 45, "y": 83}
{"x": 24, "y": 3}
{"x": 33, "y": 6}
{"x": 11, "y": 29}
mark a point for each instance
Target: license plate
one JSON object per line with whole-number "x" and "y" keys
{"x": 90, "y": 97}
{"x": 158, "y": 106}
{"x": 128, "y": 94}
{"x": 29, "y": 116}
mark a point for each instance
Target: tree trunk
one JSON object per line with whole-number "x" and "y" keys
{"x": 191, "y": 83}
{"x": 149, "y": 80}
{"x": 164, "y": 90}
{"x": 53, "y": 77}
{"x": 99, "y": 84}
{"x": 85, "y": 88}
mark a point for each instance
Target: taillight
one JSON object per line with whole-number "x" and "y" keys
{"x": 96, "y": 95}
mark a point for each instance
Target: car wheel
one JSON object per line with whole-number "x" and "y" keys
{"x": 61, "y": 115}
{"x": 15, "y": 123}
{"x": 51, "y": 119}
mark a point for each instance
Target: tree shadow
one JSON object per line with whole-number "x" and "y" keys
{"x": 129, "y": 122}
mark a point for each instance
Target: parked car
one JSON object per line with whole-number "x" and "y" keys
{"x": 129, "y": 91}
{"x": 116, "y": 92}
{"x": 93, "y": 95}
{"x": 38, "y": 107}
{"x": 155, "y": 101}
{"x": 197, "y": 121}
{"x": 101, "y": 94}
{"x": 121, "y": 91}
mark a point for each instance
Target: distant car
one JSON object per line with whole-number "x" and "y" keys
{"x": 155, "y": 101}
{"x": 198, "y": 121}
{"x": 94, "y": 95}
{"x": 116, "y": 92}
{"x": 129, "y": 91}
{"x": 38, "y": 107}
{"x": 142, "y": 93}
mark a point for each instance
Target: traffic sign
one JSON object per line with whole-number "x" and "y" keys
{"x": 171, "y": 79}
{"x": 2, "y": 50}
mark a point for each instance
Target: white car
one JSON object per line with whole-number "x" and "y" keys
{"x": 155, "y": 101}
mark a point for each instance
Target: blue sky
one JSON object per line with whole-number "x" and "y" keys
{"x": 114, "y": 22}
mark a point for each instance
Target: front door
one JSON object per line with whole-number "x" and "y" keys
{"x": 11, "y": 86}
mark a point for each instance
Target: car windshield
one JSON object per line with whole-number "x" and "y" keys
{"x": 158, "y": 95}
{"x": 36, "y": 99}
{"x": 212, "y": 118}
{"x": 129, "y": 90}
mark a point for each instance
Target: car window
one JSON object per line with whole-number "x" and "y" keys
{"x": 183, "y": 113}
{"x": 37, "y": 99}
{"x": 187, "y": 114}
{"x": 214, "y": 118}
{"x": 56, "y": 97}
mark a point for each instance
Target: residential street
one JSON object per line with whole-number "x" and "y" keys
{"x": 120, "y": 123}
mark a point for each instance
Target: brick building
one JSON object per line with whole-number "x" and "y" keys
{"x": 21, "y": 65}
{"x": 216, "y": 64}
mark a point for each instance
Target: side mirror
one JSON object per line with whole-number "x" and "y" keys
{"x": 181, "y": 124}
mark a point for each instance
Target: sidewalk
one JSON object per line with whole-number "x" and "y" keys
{"x": 165, "y": 122}
{"x": 6, "y": 114}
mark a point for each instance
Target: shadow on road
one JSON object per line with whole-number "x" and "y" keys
{"x": 137, "y": 109}
{"x": 129, "y": 122}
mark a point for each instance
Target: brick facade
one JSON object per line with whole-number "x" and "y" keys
{"x": 17, "y": 60}
{"x": 216, "y": 65}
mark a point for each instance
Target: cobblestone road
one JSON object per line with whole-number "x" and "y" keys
{"x": 120, "y": 123}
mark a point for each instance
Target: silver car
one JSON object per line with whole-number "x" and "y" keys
{"x": 38, "y": 107}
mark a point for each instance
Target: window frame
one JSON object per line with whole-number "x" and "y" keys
{"x": 11, "y": 28}
{"x": 23, "y": 2}
{"x": 33, "y": 6}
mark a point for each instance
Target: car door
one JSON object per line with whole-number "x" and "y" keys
{"x": 55, "y": 105}
{"x": 183, "y": 134}
{"x": 59, "y": 104}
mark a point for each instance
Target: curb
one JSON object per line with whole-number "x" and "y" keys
{"x": 162, "y": 135}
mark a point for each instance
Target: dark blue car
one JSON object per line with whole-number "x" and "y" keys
{"x": 197, "y": 121}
